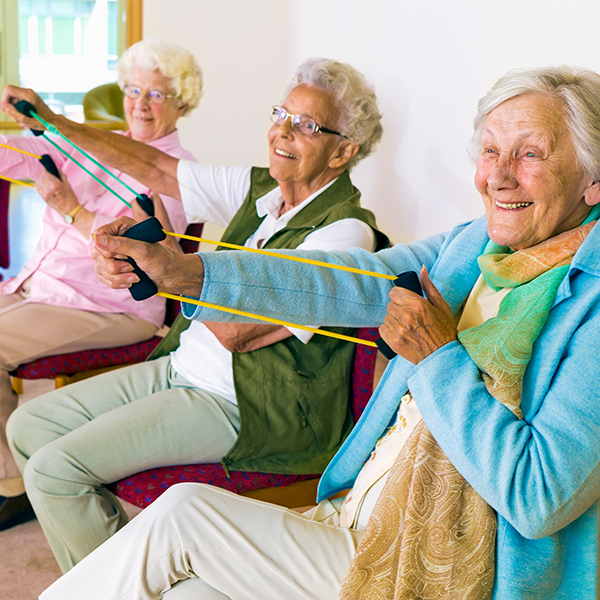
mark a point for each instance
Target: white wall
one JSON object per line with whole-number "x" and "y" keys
{"x": 241, "y": 47}
{"x": 430, "y": 61}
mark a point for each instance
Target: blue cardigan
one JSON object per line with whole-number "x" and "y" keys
{"x": 540, "y": 474}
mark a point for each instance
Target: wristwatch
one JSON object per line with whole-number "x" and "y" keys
{"x": 70, "y": 216}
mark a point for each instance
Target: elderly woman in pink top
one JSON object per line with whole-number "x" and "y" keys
{"x": 56, "y": 303}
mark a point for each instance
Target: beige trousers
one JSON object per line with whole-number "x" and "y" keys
{"x": 204, "y": 543}
{"x": 29, "y": 331}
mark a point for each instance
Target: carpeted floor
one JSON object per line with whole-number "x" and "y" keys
{"x": 27, "y": 566}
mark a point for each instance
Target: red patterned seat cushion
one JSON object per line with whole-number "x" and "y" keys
{"x": 143, "y": 488}
{"x": 86, "y": 360}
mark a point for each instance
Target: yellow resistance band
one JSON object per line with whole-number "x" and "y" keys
{"x": 309, "y": 261}
{"x": 242, "y": 313}
{"x": 285, "y": 257}
{"x": 21, "y": 151}
{"x": 17, "y": 181}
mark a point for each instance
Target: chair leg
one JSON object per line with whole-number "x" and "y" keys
{"x": 61, "y": 381}
{"x": 17, "y": 385}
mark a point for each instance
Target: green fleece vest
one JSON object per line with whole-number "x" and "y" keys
{"x": 292, "y": 397}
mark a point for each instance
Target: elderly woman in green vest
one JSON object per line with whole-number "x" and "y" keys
{"x": 204, "y": 401}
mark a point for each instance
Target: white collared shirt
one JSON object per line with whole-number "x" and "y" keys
{"x": 215, "y": 194}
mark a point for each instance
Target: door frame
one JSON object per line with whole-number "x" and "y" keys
{"x": 9, "y": 46}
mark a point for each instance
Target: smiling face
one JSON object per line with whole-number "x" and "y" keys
{"x": 300, "y": 163}
{"x": 528, "y": 175}
{"x": 148, "y": 122}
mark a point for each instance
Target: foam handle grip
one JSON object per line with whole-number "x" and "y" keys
{"x": 50, "y": 165}
{"x": 410, "y": 281}
{"x": 27, "y": 109}
{"x": 146, "y": 204}
{"x": 150, "y": 231}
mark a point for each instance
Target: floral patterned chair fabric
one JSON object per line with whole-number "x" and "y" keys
{"x": 143, "y": 488}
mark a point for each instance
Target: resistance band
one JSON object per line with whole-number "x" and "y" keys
{"x": 151, "y": 231}
{"x": 17, "y": 181}
{"x": 21, "y": 151}
{"x": 28, "y": 110}
{"x": 88, "y": 171}
{"x": 45, "y": 159}
{"x": 242, "y": 313}
{"x": 51, "y": 167}
{"x": 408, "y": 280}
{"x": 308, "y": 261}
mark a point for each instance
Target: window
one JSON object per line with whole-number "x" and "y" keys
{"x": 67, "y": 47}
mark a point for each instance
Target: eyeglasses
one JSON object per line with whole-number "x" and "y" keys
{"x": 154, "y": 96}
{"x": 304, "y": 124}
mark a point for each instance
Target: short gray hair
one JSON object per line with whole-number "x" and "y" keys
{"x": 354, "y": 97}
{"x": 579, "y": 91}
{"x": 174, "y": 62}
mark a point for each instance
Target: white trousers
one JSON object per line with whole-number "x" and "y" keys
{"x": 211, "y": 544}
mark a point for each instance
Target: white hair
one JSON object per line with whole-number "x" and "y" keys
{"x": 577, "y": 89}
{"x": 174, "y": 62}
{"x": 354, "y": 97}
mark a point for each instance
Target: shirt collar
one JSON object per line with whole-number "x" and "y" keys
{"x": 271, "y": 202}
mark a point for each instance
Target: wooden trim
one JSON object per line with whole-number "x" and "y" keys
{"x": 133, "y": 22}
{"x": 10, "y": 125}
{"x": 111, "y": 125}
{"x": 301, "y": 493}
{"x": 62, "y": 380}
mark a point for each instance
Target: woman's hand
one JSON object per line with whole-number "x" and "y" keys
{"x": 12, "y": 94}
{"x": 59, "y": 195}
{"x": 416, "y": 327}
{"x": 160, "y": 212}
{"x": 171, "y": 271}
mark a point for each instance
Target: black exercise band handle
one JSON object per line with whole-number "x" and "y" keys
{"x": 410, "y": 281}
{"x": 50, "y": 165}
{"x": 146, "y": 204}
{"x": 27, "y": 109}
{"x": 150, "y": 231}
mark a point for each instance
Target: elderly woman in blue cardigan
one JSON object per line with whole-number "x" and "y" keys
{"x": 475, "y": 470}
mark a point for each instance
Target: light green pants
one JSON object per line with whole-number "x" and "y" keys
{"x": 71, "y": 442}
